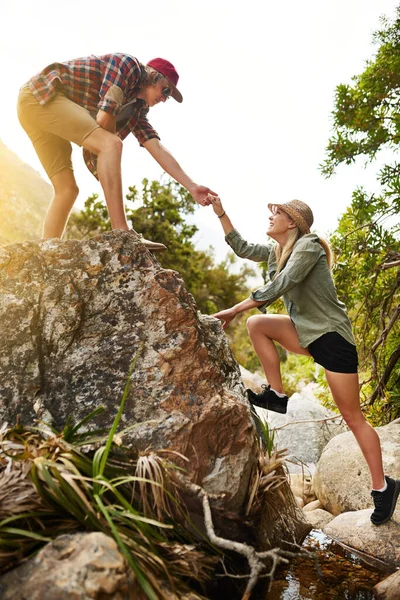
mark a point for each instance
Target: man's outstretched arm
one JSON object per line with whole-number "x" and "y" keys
{"x": 165, "y": 159}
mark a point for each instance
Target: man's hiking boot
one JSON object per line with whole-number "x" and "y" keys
{"x": 385, "y": 502}
{"x": 152, "y": 246}
{"x": 268, "y": 399}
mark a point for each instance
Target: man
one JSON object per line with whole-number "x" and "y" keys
{"x": 96, "y": 102}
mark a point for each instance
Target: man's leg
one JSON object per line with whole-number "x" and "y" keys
{"x": 108, "y": 148}
{"x": 65, "y": 193}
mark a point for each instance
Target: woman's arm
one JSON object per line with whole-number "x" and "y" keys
{"x": 226, "y": 316}
{"x": 221, "y": 214}
{"x": 243, "y": 249}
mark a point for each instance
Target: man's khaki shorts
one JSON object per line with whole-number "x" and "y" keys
{"x": 51, "y": 128}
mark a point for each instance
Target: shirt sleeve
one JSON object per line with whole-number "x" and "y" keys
{"x": 122, "y": 72}
{"x": 304, "y": 257}
{"x": 243, "y": 249}
{"x": 91, "y": 162}
{"x": 142, "y": 130}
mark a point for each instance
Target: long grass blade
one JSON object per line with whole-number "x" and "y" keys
{"x": 142, "y": 580}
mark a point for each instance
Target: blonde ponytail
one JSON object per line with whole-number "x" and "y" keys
{"x": 328, "y": 251}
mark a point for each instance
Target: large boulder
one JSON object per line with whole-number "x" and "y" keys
{"x": 73, "y": 315}
{"x": 83, "y": 566}
{"x": 342, "y": 481}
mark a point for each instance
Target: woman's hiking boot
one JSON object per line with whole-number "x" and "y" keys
{"x": 268, "y": 399}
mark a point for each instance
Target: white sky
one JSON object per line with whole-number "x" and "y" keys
{"x": 258, "y": 81}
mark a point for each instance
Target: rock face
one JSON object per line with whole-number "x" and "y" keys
{"x": 342, "y": 481}
{"x": 74, "y": 314}
{"x": 81, "y": 566}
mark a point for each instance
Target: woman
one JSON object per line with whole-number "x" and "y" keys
{"x": 317, "y": 326}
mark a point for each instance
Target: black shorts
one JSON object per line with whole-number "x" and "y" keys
{"x": 334, "y": 353}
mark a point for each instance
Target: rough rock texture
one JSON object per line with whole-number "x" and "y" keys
{"x": 389, "y": 588}
{"x": 355, "y": 530}
{"x": 304, "y": 441}
{"x": 81, "y": 566}
{"x": 72, "y": 317}
{"x": 342, "y": 481}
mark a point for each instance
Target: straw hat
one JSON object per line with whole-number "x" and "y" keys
{"x": 298, "y": 211}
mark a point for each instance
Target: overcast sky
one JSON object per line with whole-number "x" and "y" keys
{"x": 258, "y": 81}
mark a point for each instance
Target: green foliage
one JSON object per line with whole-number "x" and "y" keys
{"x": 367, "y": 241}
{"x": 366, "y": 244}
{"x": 366, "y": 116}
{"x": 295, "y": 369}
{"x": 161, "y": 218}
{"x": 267, "y": 433}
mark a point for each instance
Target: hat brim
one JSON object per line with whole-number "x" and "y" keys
{"x": 175, "y": 92}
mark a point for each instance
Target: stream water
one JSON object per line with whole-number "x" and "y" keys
{"x": 333, "y": 574}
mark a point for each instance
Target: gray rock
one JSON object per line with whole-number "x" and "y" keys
{"x": 342, "y": 481}
{"x": 355, "y": 530}
{"x": 318, "y": 517}
{"x": 304, "y": 430}
{"x": 312, "y": 505}
{"x": 84, "y": 566}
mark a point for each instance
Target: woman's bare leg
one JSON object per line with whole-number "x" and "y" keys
{"x": 346, "y": 393}
{"x": 263, "y": 331}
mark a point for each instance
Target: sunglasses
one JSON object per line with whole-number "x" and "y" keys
{"x": 166, "y": 92}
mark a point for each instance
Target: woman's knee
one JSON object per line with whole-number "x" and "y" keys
{"x": 354, "y": 418}
{"x": 252, "y": 323}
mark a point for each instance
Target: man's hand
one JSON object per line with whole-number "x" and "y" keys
{"x": 106, "y": 121}
{"x": 226, "y": 316}
{"x": 202, "y": 194}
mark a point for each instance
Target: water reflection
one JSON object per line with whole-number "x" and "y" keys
{"x": 335, "y": 574}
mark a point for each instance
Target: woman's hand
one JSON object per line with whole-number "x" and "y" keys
{"x": 217, "y": 206}
{"x": 226, "y": 316}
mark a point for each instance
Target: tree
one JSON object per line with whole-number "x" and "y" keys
{"x": 367, "y": 241}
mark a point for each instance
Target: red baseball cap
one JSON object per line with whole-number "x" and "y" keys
{"x": 168, "y": 70}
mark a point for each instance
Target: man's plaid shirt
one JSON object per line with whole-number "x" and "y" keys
{"x": 110, "y": 83}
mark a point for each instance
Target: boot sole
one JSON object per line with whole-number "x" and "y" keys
{"x": 394, "y": 502}
{"x": 274, "y": 407}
